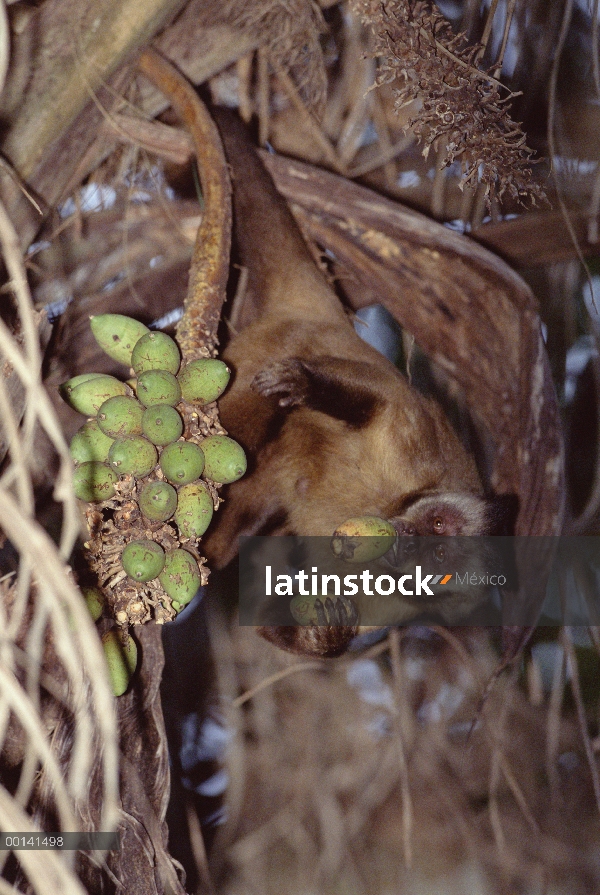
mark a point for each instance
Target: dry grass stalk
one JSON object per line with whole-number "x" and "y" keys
{"x": 53, "y": 675}
{"x": 322, "y": 806}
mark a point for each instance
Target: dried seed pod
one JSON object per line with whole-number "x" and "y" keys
{"x": 121, "y": 416}
{"x": 180, "y": 576}
{"x": 158, "y": 387}
{"x": 194, "y": 510}
{"x": 158, "y": 501}
{"x": 182, "y": 462}
{"x": 143, "y": 560}
{"x": 133, "y": 455}
{"x": 162, "y": 424}
{"x": 93, "y": 481}
{"x": 88, "y": 396}
{"x": 363, "y": 538}
{"x": 90, "y": 443}
{"x": 155, "y": 351}
{"x": 121, "y": 655}
{"x": 203, "y": 380}
{"x": 117, "y": 335}
{"x": 224, "y": 459}
{"x": 95, "y": 601}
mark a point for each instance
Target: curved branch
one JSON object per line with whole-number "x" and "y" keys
{"x": 197, "y": 330}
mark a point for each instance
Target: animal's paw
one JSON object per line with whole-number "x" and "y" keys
{"x": 341, "y": 612}
{"x": 287, "y": 380}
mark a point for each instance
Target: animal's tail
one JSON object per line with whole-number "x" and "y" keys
{"x": 283, "y": 278}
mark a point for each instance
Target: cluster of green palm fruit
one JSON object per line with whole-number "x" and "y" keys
{"x": 135, "y": 429}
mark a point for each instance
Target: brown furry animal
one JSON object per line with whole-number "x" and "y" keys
{"x": 331, "y": 428}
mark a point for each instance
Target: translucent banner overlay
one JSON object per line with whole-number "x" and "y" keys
{"x": 446, "y": 580}
{"x": 61, "y": 841}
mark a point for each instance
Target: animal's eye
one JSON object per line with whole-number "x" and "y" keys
{"x": 438, "y": 525}
{"x": 440, "y": 553}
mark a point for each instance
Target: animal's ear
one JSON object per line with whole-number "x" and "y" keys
{"x": 501, "y": 514}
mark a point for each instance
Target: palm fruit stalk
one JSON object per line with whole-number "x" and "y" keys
{"x": 116, "y": 523}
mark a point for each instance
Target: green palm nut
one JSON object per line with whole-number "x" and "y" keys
{"x": 203, "y": 380}
{"x": 155, "y": 351}
{"x": 143, "y": 560}
{"x": 121, "y": 656}
{"x": 81, "y": 377}
{"x": 158, "y": 501}
{"x": 95, "y": 601}
{"x": 133, "y": 455}
{"x": 90, "y": 443}
{"x": 162, "y": 424}
{"x": 180, "y": 577}
{"x": 121, "y": 416}
{"x": 224, "y": 459}
{"x": 363, "y": 538}
{"x": 117, "y": 335}
{"x": 87, "y": 396}
{"x": 158, "y": 387}
{"x": 303, "y": 609}
{"x": 93, "y": 481}
{"x": 67, "y": 387}
{"x": 194, "y": 510}
{"x": 182, "y": 462}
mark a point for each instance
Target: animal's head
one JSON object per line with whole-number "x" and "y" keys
{"x": 457, "y": 513}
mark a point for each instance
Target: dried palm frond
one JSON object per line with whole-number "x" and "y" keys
{"x": 456, "y": 104}
{"x": 291, "y": 30}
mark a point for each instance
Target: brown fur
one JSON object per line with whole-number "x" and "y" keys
{"x": 331, "y": 428}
